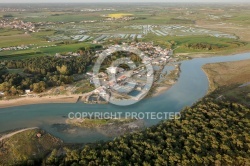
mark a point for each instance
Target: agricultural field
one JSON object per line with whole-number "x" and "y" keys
{"x": 119, "y": 15}
{"x": 197, "y": 46}
{"x": 188, "y": 29}
{"x": 19, "y": 39}
{"x": 42, "y": 51}
{"x": 9, "y": 32}
{"x": 49, "y": 53}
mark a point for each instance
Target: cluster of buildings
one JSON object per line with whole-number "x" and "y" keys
{"x": 22, "y": 47}
{"x": 124, "y": 81}
{"x": 17, "y": 24}
{"x": 7, "y": 9}
{"x": 97, "y": 9}
{"x": 25, "y": 47}
{"x": 119, "y": 19}
{"x": 67, "y": 55}
{"x": 152, "y": 51}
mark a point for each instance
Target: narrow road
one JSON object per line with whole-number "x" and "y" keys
{"x": 16, "y": 132}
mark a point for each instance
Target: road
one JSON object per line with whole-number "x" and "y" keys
{"x": 16, "y": 132}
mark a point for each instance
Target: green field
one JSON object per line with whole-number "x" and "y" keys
{"x": 26, "y": 145}
{"x": 43, "y": 34}
{"x": 24, "y": 54}
{"x": 9, "y": 32}
{"x": 17, "y": 40}
{"x": 60, "y": 26}
{"x": 64, "y": 48}
{"x": 179, "y": 43}
{"x": 16, "y": 55}
{"x": 63, "y": 17}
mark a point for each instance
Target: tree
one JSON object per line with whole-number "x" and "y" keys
{"x": 39, "y": 87}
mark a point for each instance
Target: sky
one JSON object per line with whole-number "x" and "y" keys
{"x": 112, "y": 1}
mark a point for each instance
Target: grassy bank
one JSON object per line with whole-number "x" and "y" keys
{"x": 228, "y": 73}
{"x": 26, "y": 148}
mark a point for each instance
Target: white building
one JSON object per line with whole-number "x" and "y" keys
{"x": 111, "y": 70}
{"x": 27, "y": 91}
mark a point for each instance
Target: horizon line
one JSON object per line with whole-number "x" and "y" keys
{"x": 233, "y": 2}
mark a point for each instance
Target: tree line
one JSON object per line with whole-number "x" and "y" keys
{"x": 209, "y": 133}
{"x": 205, "y": 46}
{"x": 39, "y": 73}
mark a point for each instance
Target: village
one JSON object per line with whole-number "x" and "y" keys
{"x": 118, "y": 83}
{"x": 17, "y": 24}
{"x": 21, "y": 47}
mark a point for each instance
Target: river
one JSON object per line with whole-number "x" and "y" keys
{"x": 191, "y": 86}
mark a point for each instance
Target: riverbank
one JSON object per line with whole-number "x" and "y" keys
{"x": 28, "y": 143}
{"x": 240, "y": 50}
{"x": 38, "y": 100}
{"x": 170, "y": 79}
{"x": 59, "y": 98}
{"x": 158, "y": 89}
{"x": 108, "y": 127}
{"x": 16, "y": 132}
{"x": 62, "y": 98}
{"x": 227, "y": 73}
{"x": 192, "y": 85}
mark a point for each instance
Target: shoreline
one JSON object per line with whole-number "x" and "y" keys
{"x": 39, "y": 100}
{"x": 16, "y": 132}
{"x": 211, "y": 54}
{"x": 70, "y": 99}
{"x": 160, "y": 90}
{"x": 74, "y": 97}
{"x": 209, "y": 80}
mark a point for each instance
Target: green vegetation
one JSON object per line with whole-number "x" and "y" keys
{"x": 228, "y": 73}
{"x": 43, "y": 34}
{"x": 64, "y": 17}
{"x": 9, "y": 32}
{"x": 64, "y": 48}
{"x": 209, "y": 133}
{"x": 7, "y": 15}
{"x": 180, "y": 21}
{"x": 96, "y": 123}
{"x": 20, "y": 55}
{"x": 41, "y": 72}
{"x": 17, "y": 40}
{"x": 26, "y": 148}
{"x": 83, "y": 86}
{"x": 3, "y": 69}
{"x": 195, "y": 44}
{"x": 214, "y": 131}
{"x": 70, "y": 22}
{"x": 45, "y": 51}
{"x": 234, "y": 93}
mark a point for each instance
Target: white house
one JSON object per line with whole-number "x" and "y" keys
{"x": 103, "y": 93}
{"x": 111, "y": 70}
{"x": 96, "y": 91}
{"x": 27, "y": 91}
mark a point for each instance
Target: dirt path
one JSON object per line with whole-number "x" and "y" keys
{"x": 16, "y": 132}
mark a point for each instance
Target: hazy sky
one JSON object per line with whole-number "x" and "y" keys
{"x": 89, "y": 1}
